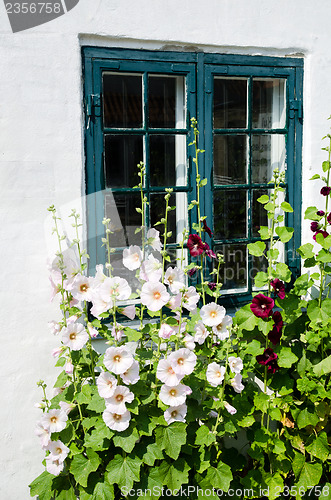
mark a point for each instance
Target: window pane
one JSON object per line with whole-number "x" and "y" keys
{"x": 122, "y": 100}
{"x": 268, "y": 152}
{"x": 233, "y": 274}
{"x": 122, "y": 153}
{"x": 167, "y": 160}
{"x": 177, "y": 219}
{"x": 230, "y": 103}
{"x": 230, "y": 158}
{"x": 230, "y": 214}
{"x": 259, "y": 215}
{"x": 166, "y": 102}
{"x": 269, "y": 108}
{"x": 121, "y": 210}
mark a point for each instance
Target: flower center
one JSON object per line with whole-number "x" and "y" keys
{"x": 83, "y": 288}
{"x": 157, "y": 295}
{"x": 119, "y": 398}
{"x": 170, "y": 370}
{"x": 72, "y": 336}
{"x": 218, "y": 374}
{"x": 54, "y": 420}
{"x": 136, "y": 257}
{"x": 117, "y": 417}
{"x": 180, "y": 361}
{"x": 58, "y": 451}
{"x": 173, "y": 392}
{"x": 171, "y": 280}
{"x": 110, "y": 383}
{"x": 174, "y": 414}
{"x": 117, "y": 358}
{"x": 213, "y": 314}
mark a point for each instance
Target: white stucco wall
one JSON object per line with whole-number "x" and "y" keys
{"x": 41, "y": 156}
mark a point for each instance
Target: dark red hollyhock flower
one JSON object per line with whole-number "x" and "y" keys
{"x": 325, "y": 191}
{"x": 268, "y": 359}
{"x": 195, "y": 245}
{"x": 325, "y": 234}
{"x": 207, "y": 229}
{"x": 320, "y": 212}
{"x": 314, "y": 226}
{"x": 192, "y": 272}
{"x": 261, "y": 306}
{"x": 329, "y": 218}
{"x": 212, "y": 285}
{"x": 274, "y": 335}
{"x": 209, "y": 251}
{"x": 277, "y": 317}
{"x": 279, "y": 288}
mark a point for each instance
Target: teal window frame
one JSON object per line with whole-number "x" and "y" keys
{"x": 199, "y": 70}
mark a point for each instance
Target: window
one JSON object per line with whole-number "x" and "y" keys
{"x": 138, "y": 108}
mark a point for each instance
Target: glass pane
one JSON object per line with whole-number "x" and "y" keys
{"x": 167, "y": 160}
{"x": 259, "y": 215}
{"x": 269, "y": 108}
{"x": 230, "y": 159}
{"x": 121, "y": 210}
{"x": 122, "y": 100}
{"x": 233, "y": 274}
{"x": 166, "y": 102}
{"x": 177, "y": 219}
{"x": 230, "y": 214}
{"x": 122, "y": 153}
{"x": 268, "y": 152}
{"x": 230, "y": 103}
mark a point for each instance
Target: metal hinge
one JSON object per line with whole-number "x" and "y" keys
{"x": 93, "y": 107}
{"x": 296, "y": 105}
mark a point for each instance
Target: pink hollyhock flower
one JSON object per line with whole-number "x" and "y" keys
{"x": 59, "y": 451}
{"x": 54, "y": 420}
{"x": 269, "y": 359}
{"x": 154, "y": 295}
{"x": 117, "y": 359}
{"x": 115, "y": 421}
{"x": 116, "y": 403}
{"x": 128, "y": 311}
{"x": 99, "y": 276}
{"x": 279, "y": 288}
{"x": 115, "y": 288}
{"x": 175, "y": 414}
{"x": 188, "y": 340}
{"x": 54, "y": 327}
{"x": 236, "y": 383}
{"x": 201, "y": 332}
{"x": 166, "y": 373}
{"x": 325, "y": 191}
{"x": 175, "y": 395}
{"x": 99, "y": 305}
{"x": 221, "y": 330}
{"x": 235, "y": 364}
{"x": 106, "y": 384}
{"x": 191, "y": 272}
{"x": 75, "y": 336}
{"x": 132, "y": 257}
{"x": 151, "y": 269}
{"x": 81, "y": 287}
{"x": 131, "y": 375}
{"x": 212, "y": 314}
{"x": 206, "y": 228}
{"x": 153, "y": 239}
{"x": 117, "y": 332}
{"x": 54, "y": 467}
{"x": 58, "y": 351}
{"x": 69, "y": 367}
{"x": 190, "y": 299}
{"x": 215, "y": 374}
{"x": 166, "y": 331}
{"x": 230, "y": 408}
{"x": 43, "y": 433}
{"x": 208, "y": 251}
{"x": 261, "y": 306}
{"x": 324, "y": 233}
{"x": 92, "y": 331}
{"x": 183, "y": 361}
{"x": 66, "y": 407}
{"x": 195, "y": 245}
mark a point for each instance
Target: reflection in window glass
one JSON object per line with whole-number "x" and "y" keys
{"x": 166, "y": 102}
{"x": 230, "y": 214}
{"x": 122, "y": 100}
{"x": 230, "y": 103}
{"x": 121, "y": 210}
{"x": 177, "y": 219}
{"x": 268, "y": 153}
{"x": 230, "y": 159}
{"x": 269, "y": 108}
{"x": 259, "y": 214}
{"x": 233, "y": 274}
{"x": 122, "y": 153}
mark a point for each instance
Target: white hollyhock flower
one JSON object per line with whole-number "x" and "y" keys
{"x": 59, "y": 451}
{"x": 175, "y": 414}
{"x": 117, "y": 359}
{"x": 58, "y": 351}
{"x": 106, "y": 384}
{"x": 131, "y": 375}
{"x": 66, "y": 407}
{"x": 175, "y": 301}
{"x": 212, "y": 314}
{"x": 175, "y": 278}
{"x": 81, "y": 287}
{"x": 43, "y": 433}
{"x": 131, "y": 347}
{"x": 75, "y": 336}
{"x": 230, "y": 408}
{"x": 132, "y": 257}
{"x": 221, "y": 330}
{"x": 189, "y": 342}
{"x": 117, "y": 332}
{"x": 151, "y": 269}
{"x": 92, "y": 331}
{"x": 115, "y": 421}
{"x": 54, "y": 327}
{"x": 99, "y": 276}
{"x": 166, "y": 373}
{"x": 69, "y": 367}
{"x": 116, "y": 403}
{"x": 183, "y": 361}
{"x": 201, "y": 332}
{"x": 99, "y": 305}
{"x": 54, "y": 467}
{"x": 128, "y": 311}
{"x": 235, "y": 364}
{"x": 166, "y": 331}
{"x": 174, "y": 396}
{"x": 54, "y": 420}
{"x": 190, "y": 299}
{"x": 215, "y": 374}
{"x": 236, "y": 383}
{"x": 153, "y": 239}
{"x": 115, "y": 288}
{"x": 154, "y": 295}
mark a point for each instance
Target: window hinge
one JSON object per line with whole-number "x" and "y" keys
{"x": 296, "y": 105}
{"x": 93, "y": 105}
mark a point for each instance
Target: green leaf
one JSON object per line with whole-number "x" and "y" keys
{"x": 298, "y": 463}
{"x": 326, "y": 166}
{"x": 124, "y": 471}
{"x": 323, "y": 367}
{"x": 265, "y": 232}
{"x": 319, "y": 448}
{"x": 171, "y": 438}
{"x": 261, "y": 279}
{"x": 275, "y": 485}
{"x": 262, "y": 401}
{"x": 203, "y": 182}
{"x": 263, "y": 199}
{"x": 256, "y": 248}
{"x": 286, "y": 357}
{"x": 98, "y": 440}
{"x": 254, "y": 348}
{"x": 153, "y": 453}
{"x": 282, "y": 272}
{"x": 132, "y": 334}
{"x": 103, "y": 491}
{"x": 204, "y": 436}
{"x": 319, "y": 314}
{"x": 323, "y": 256}
{"x": 81, "y": 467}
{"x": 305, "y": 385}
{"x": 97, "y": 404}
{"x": 174, "y": 474}
{"x": 310, "y": 475}
{"x": 152, "y": 485}
{"x": 311, "y": 214}
{"x": 126, "y": 439}
{"x": 220, "y": 477}
{"x": 286, "y": 207}
{"x": 284, "y": 233}
{"x": 63, "y": 488}
{"x": 42, "y": 486}
{"x": 61, "y": 380}
{"x": 306, "y": 251}
{"x": 306, "y": 417}
{"x": 273, "y": 253}
{"x": 325, "y": 242}
{"x": 245, "y": 318}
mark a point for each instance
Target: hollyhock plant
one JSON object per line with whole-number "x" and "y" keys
{"x": 207, "y": 229}
{"x": 175, "y": 414}
{"x": 314, "y": 226}
{"x": 183, "y": 361}
{"x": 131, "y": 375}
{"x": 132, "y": 257}
{"x": 279, "y": 288}
{"x": 212, "y": 314}
{"x": 268, "y": 359}
{"x": 195, "y": 245}
{"x": 320, "y": 213}
{"x": 75, "y": 336}
{"x": 116, "y": 402}
{"x": 54, "y": 420}
{"x": 154, "y": 295}
{"x": 166, "y": 373}
{"x": 117, "y": 421}
{"x": 222, "y": 329}
{"x": 325, "y": 234}
{"x": 106, "y": 384}
{"x": 117, "y": 359}
{"x": 174, "y": 395}
{"x": 261, "y": 306}
{"x": 215, "y": 374}
{"x": 325, "y": 191}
